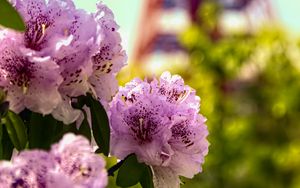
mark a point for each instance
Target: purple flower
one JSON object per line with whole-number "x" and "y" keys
{"x": 78, "y": 162}
{"x": 34, "y": 53}
{"x": 84, "y": 48}
{"x": 30, "y": 81}
{"x": 29, "y": 169}
{"x": 70, "y": 163}
{"x": 109, "y": 58}
{"x": 74, "y": 58}
{"x": 159, "y": 122}
{"x": 14, "y": 176}
{"x": 43, "y": 21}
{"x": 57, "y": 29}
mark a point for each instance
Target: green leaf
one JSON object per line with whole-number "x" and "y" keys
{"x": 16, "y": 130}
{"x": 9, "y": 17}
{"x": 41, "y": 131}
{"x": 59, "y": 131}
{"x": 2, "y": 95}
{"x": 4, "y": 109}
{"x": 6, "y": 146}
{"x": 131, "y": 172}
{"x": 1, "y": 138}
{"x": 100, "y": 124}
{"x": 146, "y": 180}
{"x": 84, "y": 128}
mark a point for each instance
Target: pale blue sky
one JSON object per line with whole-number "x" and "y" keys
{"x": 288, "y": 12}
{"x": 127, "y": 15}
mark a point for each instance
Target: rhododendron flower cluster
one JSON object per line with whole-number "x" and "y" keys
{"x": 159, "y": 121}
{"x": 64, "y": 53}
{"x": 70, "y": 163}
{"x": 61, "y": 71}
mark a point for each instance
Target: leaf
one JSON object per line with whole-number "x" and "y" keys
{"x": 6, "y": 146}
{"x": 146, "y": 180}
{"x": 61, "y": 129}
{"x": 9, "y": 17}
{"x": 4, "y": 109}
{"x": 84, "y": 128}
{"x": 100, "y": 124}
{"x": 41, "y": 131}
{"x": 16, "y": 130}
{"x": 2, "y": 95}
{"x": 1, "y": 138}
{"x": 25, "y": 116}
{"x": 131, "y": 172}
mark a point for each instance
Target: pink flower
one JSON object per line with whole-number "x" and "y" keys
{"x": 78, "y": 162}
{"x": 159, "y": 122}
{"x": 30, "y": 81}
{"x": 78, "y": 52}
{"x": 70, "y": 163}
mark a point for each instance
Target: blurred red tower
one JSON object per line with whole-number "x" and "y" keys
{"x": 163, "y": 20}
{"x": 157, "y": 29}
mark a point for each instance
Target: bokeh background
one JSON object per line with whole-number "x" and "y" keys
{"x": 243, "y": 58}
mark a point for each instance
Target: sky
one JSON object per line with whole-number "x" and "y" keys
{"x": 127, "y": 16}
{"x": 288, "y": 12}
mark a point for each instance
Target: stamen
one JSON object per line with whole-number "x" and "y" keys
{"x": 183, "y": 96}
{"x": 85, "y": 171}
{"x": 24, "y": 88}
{"x": 66, "y": 32}
{"x": 141, "y": 120}
{"x": 43, "y": 29}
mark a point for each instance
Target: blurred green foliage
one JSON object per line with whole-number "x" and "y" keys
{"x": 250, "y": 89}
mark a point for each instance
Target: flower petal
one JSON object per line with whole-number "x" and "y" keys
{"x": 165, "y": 178}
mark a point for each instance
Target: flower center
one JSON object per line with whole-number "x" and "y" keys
{"x": 143, "y": 127}
{"x": 35, "y": 32}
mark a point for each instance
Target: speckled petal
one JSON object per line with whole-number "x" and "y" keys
{"x": 109, "y": 58}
